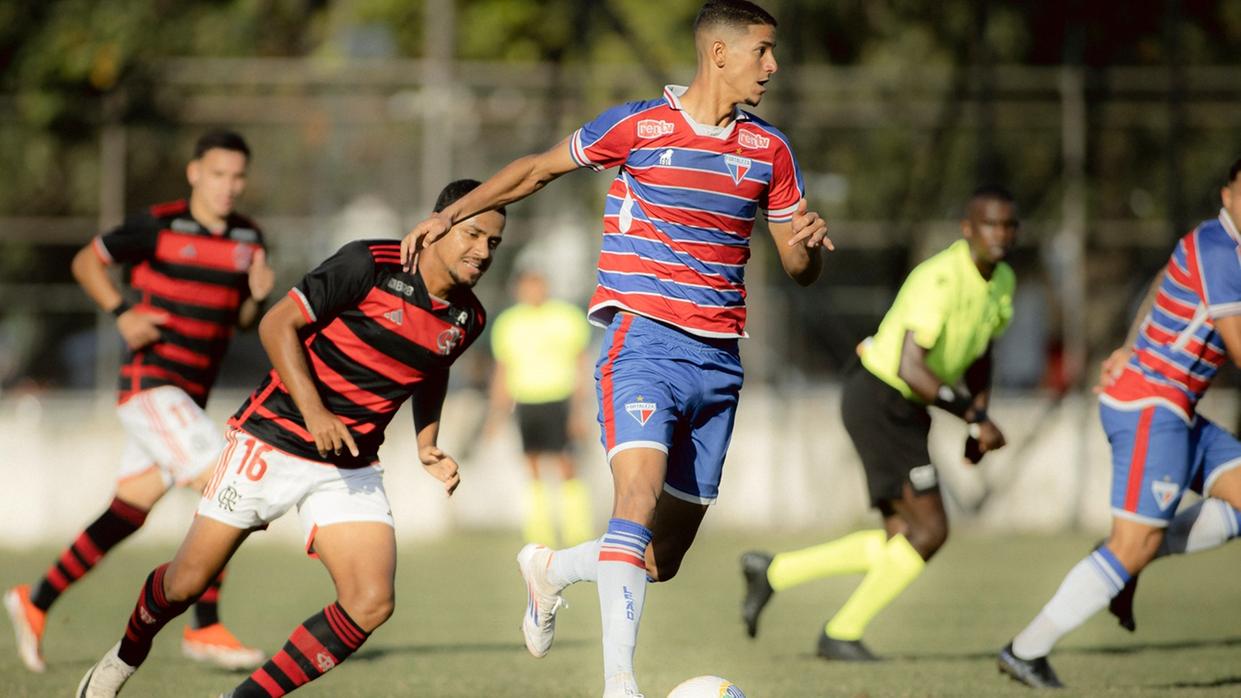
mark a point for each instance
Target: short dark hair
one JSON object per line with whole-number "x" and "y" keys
{"x": 1233, "y": 172}
{"x": 732, "y": 13}
{"x": 457, "y": 189}
{"x": 993, "y": 192}
{"x": 220, "y": 138}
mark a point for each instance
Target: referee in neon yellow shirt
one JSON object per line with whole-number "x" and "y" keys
{"x": 539, "y": 346}
{"x": 937, "y": 335}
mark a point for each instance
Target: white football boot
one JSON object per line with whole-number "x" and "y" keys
{"x": 539, "y": 623}
{"x": 105, "y": 679}
{"x": 621, "y": 686}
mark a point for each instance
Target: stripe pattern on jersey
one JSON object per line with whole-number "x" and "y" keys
{"x": 678, "y": 217}
{"x": 367, "y": 355}
{"x": 197, "y": 278}
{"x": 1178, "y": 350}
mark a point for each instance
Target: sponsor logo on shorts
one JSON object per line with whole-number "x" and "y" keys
{"x": 1165, "y": 492}
{"x": 228, "y": 498}
{"x": 640, "y": 410}
{"x": 737, "y": 166}
{"x": 750, "y": 139}
{"x": 653, "y": 128}
{"x": 923, "y": 477}
{"x": 448, "y": 340}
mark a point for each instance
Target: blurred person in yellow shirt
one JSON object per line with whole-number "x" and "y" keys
{"x": 539, "y": 345}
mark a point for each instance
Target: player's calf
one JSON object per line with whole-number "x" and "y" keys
{"x": 314, "y": 648}
{"x": 758, "y": 590}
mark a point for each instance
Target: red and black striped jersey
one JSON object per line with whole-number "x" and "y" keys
{"x": 197, "y": 277}
{"x": 375, "y": 336}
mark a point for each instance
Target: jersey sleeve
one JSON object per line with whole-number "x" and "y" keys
{"x": 607, "y": 140}
{"x": 787, "y": 187}
{"x": 340, "y": 282}
{"x": 129, "y": 243}
{"x": 923, "y": 300}
{"x": 1221, "y": 280}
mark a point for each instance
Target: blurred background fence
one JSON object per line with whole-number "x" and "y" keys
{"x": 1114, "y": 139}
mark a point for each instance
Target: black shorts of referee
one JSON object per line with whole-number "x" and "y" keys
{"x": 544, "y": 426}
{"x": 890, "y": 434}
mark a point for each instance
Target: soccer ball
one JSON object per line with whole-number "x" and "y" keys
{"x": 706, "y": 687}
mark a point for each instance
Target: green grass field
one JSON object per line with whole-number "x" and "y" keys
{"x": 459, "y": 602}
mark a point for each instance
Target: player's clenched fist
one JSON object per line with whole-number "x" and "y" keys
{"x": 330, "y": 434}
{"x": 139, "y": 327}
{"x": 423, "y": 234}
{"x": 441, "y": 466}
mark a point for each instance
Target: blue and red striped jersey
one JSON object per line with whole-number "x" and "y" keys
{"x": 197, "y": 277}
{"x": 678, "y": 217}
{"x": 1178, "y": 350}
{"x": 374, "y": 337}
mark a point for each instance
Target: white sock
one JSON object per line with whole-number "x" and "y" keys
{"x": 1085, "y": 591}
{"x": 622, "y": 592}
{"x": 577, "y": 564}
{"x": 1207, "y": 524}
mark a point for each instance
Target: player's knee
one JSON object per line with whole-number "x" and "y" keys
{"x": 927, "y": 537}
{"x": 185, "y": 584}
{"x": 369, "y": 605}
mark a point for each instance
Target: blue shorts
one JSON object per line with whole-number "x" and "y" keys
{"x": 1156, "y": 456}
{"x": 665, "y": 389}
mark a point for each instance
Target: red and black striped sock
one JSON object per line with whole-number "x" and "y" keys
{"x": 104, "y": 533}
{"x": 326, "y": 639}
{"x": 151, "y": 614}
{"x": 207, "y": 608}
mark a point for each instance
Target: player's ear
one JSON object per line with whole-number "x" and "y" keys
{"x": 719, "y": 52}
{"x": 192, "y": 172}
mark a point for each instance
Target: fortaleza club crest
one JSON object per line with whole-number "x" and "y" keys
{"x": 737, "y": 166}
{"x": 1164, "y": 492}
{"x": 640, "y": 410}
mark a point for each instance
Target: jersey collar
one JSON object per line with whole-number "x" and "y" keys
{"x": 673, "y": 94}
{"x": 1226, "y": 221}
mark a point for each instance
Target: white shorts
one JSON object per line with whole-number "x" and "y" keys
{"x": 166, "y": 429}
{"x": 255, "y": 483}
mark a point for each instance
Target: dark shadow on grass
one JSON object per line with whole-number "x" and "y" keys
{"x": 370, "y": 654}
{"x": 1104, "y": 649}
{"x": 1217, "y": 683}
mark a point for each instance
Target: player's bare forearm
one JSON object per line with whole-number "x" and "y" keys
{"x": 278, "y": 333}
{"x": 428, "y": 404}
{"x": 92, "y": 276}
{"x": 978, "y": 380}
{"x": 802, "y": 261}
{"x": 248, "y": 313}
{"x": 914, "y": 371}
{"x": 514, "y": 182}
{"x": 1148, "y": 302}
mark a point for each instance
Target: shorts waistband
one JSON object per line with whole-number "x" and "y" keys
{"x": 677, "y": 335}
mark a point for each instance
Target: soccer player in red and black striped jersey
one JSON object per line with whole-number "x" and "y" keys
{"x": 197, "y": 270}
{"x": 350, "y": 343}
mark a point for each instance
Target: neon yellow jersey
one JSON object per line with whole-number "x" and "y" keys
{"x": 953, "y": 312}
{"x": 539, "y": 348}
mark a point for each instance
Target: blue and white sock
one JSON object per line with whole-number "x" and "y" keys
{"x": 1085, "y": 591}
{"x": 622, "y": 592}
{"x": 1207, "y": 524}
{"x": 577, "y": 564}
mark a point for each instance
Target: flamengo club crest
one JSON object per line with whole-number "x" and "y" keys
{"x": 448, "y": 340}
{"x": 1164, "y": 492}
{"x": 640, "y": 410}
{"x": 654, "y": 128}
{"x": 737, "y": 166}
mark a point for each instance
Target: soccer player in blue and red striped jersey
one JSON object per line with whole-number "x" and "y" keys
{"x": 694, "y": 172}
{"x": 199, "y": 270}
{"x": 1190, "y": 325}
{"x": 349, "y": 344}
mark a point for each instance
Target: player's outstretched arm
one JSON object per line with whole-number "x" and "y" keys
{"x": 278, "y": 333}
{"x": 428, "y": 404}
{"x": 517, "y": 180}
{"x": 800, "y": 242}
